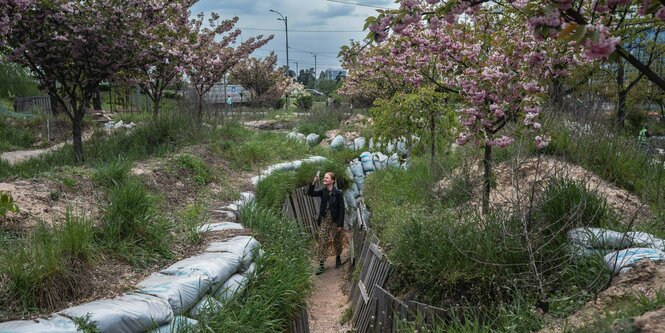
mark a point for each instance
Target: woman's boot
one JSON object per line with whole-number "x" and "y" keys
{"x": 320, "y": 270}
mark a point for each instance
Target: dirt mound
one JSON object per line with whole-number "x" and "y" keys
{"x": 645, "y": 279}
{"x": 268, "y": 124}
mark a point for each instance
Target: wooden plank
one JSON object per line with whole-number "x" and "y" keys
{"x": 363, "y": 291}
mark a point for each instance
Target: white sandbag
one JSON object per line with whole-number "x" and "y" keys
{"x": 393, "y": 161}
{"x": 296, "y": 136}
{"x": 177, "y": 324}
{"x": 251, "y": 270}
{"x": 118, "y": 125}
{"x": 181, "y": 291}
{"x": 337, "y": 143}
{"x": 207, "y": 304}
{"x": 217, "y": 265}
{"x": 348, "y": 173}
{"x": 406, "y": 164}
{"x": 350, "y": 219}
{"x": 220, "y": 226}
{"x": 380, "y": 161}
{"x": 224, "y": 215}
{"x": 355, "y": 190}
{"x": 312, "y": 139}
{"x": 129, "y": 313}
{"x": 255, "y": 180}
{"x": 371, "y": 145}
{"x": 356, "y": 168}
{"x": 577, "y": 250}
{"x": 349, "y": 199}
{"x": 643, "y": 239}
{"x": 367, "y": 161}
{"x": 314, "y": 159}
{"x": 390, "y": 147}
{"x": 242, "y": 246}
{"x": 359, "y": 143}
{"x": 234, "y": 285}
{"x": 402, "y": 148}
{"x": 284, "y": 166}
{"x": 245, "y": 198}
{"x": 360, "y": 182}
{"x": 599, "y": 238}
{"x": 53, "y": 324}
{"x": 619, "y": 260}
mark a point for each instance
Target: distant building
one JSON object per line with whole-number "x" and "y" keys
{"x": 331, "y": 74}
{"x": 237, "y": 93}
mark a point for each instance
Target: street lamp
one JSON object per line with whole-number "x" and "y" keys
{"x": 286, "y": 29}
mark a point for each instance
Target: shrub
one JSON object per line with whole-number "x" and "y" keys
{"x": 304, "y": 102}
{"x": 278, "y": 103}
{"x": 7, "y": 204}
{"x": 567, "y": 204}
{"x": 50, "y": 267}
{"x": 191, "y": 217}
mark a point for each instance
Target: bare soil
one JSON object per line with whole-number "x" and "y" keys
{"x": 329, "y": 300}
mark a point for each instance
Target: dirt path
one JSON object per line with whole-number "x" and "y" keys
{"x": 328, "y": 302}
{"x": 13, "y": 157}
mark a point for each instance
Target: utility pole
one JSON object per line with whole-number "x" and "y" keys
{"x": 316, "y": 79}
{"x": 286, "y": 30}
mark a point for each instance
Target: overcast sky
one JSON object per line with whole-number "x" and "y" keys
{"x": 334, "y": 24}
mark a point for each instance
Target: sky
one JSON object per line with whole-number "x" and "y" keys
{"x": 315, "y": 26}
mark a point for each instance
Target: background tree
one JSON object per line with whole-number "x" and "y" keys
{"x": 262, "y": 78}
{"x": 211, "y": 55}
{"x": 306, "y": 77}
{"x": 73, "y": 46}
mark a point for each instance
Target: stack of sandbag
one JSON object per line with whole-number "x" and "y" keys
{"x": 312, "y": 139}
{"x": 620, "y": 251}
{"x": 286, "y": 166}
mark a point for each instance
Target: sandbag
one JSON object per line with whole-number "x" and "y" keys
{"x": 359, "y": 143}
{"x": 177, "y": 324}
{"x": 393, "y": 161}
{"x": 337, "y": 143}
{"x": 245, "y": 198}
{"x": 53, "y": 324}
{"x": 598, "y": 238}
{"x": 220, "y": 226}
{"x": 224, "y": 215}
{"x": 390, "y": 147}
{"x": 296, "y": 136}
{"x": 251, "y": 270}
{"x": 355, "y": 190}
{"x": 348, "y": 173}
{"x": 235, "y": 284}
{"x": 402, "y": 148}
{"x": 360, "y": 182}
{"x": 129, "y": 313}
{"x": 380, "y": 161}
{"x": 349, "y": 199}
{"x": 618, "y": 261}
{"x": 206, "y": 304}
{"x": 367, "y": 161}
{"x": 312, "y": 139}
{"x": 242, "y": 246}
{"x": 577, "y": 250}
{"x": 217, "y": 265}
{"x": 315, "y": 159}
{"x": 181, "y": 291}
{"x": 643, "y": 239}
{"x": 371, "y": 144}
{"x": 356, "y": 168}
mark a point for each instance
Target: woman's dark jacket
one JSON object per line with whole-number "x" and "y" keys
{"x": 336, "y": 200}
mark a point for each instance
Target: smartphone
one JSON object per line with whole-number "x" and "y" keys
{"x": 318, "y": 172}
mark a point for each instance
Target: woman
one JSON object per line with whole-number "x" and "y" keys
{"x": 331, "y": 218}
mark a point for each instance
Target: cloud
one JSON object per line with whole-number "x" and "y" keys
{"x": 332, "y": 11}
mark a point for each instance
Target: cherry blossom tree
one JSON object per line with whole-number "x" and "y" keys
{"x": 73, "y": 46}
{"x": 594, "y": 26}
{"x": 267, "y": 82}
{"x": 212, "y": 55}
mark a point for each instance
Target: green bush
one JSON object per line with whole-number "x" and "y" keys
{"x": 567, "y": 204}
{"x": 16, "y": 134}
{"x": 132, "y": 226}
{"x": 278, "y": 103}
{"x": 7, "y": 204}
{"x": 202, "y": 174}
{"x": 304, "y": 102}
{"x": 51, "y": 266}
{"x": 283, "y": 279}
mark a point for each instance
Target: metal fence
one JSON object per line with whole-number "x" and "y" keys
{"x": 35, "y": 104}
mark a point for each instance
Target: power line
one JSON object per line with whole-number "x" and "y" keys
{"x": 290, "y": 30}
{"x": 358, "y": 4}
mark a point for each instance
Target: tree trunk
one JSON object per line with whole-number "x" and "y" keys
{"x": 96, "y": 100}
{"x": 199, "y": 112}
{"x": 487, "y": 175}
{"x": 621, "y": 93}
{"x": 77, "y": 132}
{"x": 155, "y": 107}
{"x": 556, "y": 94}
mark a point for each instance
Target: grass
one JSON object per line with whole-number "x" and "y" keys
{"x": 50, "y": 267}
{"x": 132, "y": 227}
{"x": 17, "y": 134}
{"x": 283, "y": 279}
{"x": 193, "y": 215}
{"x": 202, "y": 174}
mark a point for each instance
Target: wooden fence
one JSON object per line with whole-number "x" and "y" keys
{"x": 301, "y": 207}
{"x": 41, "y": 104}
{"x": 300, "y": 324}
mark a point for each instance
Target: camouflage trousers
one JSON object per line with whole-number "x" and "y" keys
{"x": 327, "y": 228}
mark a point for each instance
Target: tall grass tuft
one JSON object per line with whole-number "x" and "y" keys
{"x": 51, "y": 266}
{"x": 132, "y": 225}
{"x": 112, "y": 173}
